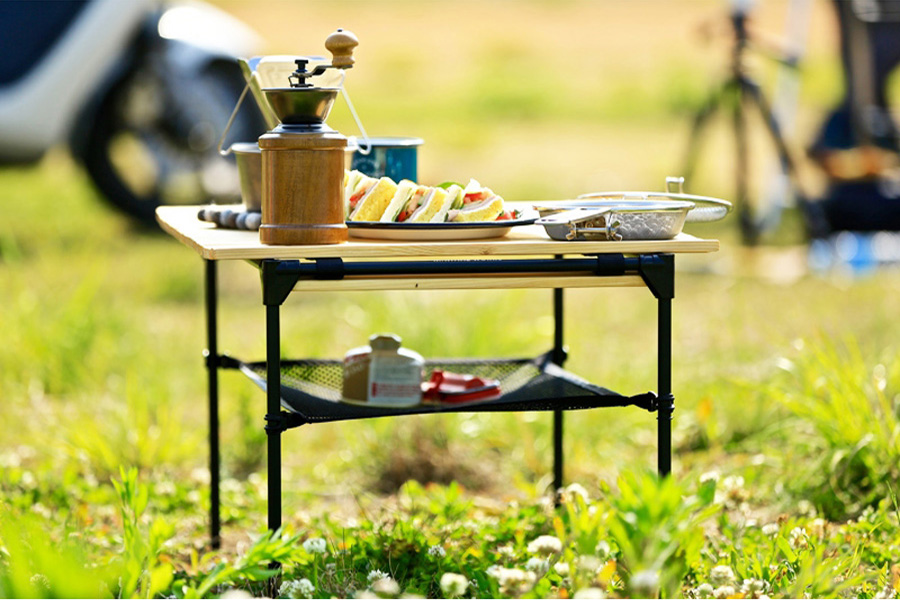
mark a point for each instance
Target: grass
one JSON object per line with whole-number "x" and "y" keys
{"x": 785, "y": 383}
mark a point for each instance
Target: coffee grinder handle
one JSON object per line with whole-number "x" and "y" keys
{"x": 341, "y": 44}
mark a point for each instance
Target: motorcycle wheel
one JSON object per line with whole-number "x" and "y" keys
{"x": 153, "y": 145}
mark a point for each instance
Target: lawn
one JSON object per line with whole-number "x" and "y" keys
{"x": 787, "y": 423}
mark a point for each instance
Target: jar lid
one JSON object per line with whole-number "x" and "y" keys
{"x": 385, "y": 341}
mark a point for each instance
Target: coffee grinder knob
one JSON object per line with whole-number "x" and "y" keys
{"x": 341, "y": 44}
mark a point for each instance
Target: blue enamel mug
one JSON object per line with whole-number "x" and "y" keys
{"x": 394, "y": 157}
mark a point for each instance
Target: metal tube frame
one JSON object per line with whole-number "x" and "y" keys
{"x": 280, "y": 276}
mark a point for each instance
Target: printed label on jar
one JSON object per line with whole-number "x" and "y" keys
{"x": 394, "y": 380}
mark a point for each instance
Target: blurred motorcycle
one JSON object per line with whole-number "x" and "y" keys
{"x": 139, "y": 91}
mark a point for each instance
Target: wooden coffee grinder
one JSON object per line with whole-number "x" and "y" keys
{"x": 303, "y": 158}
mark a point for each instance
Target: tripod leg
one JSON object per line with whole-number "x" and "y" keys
{"x": 701, "y": 118}
{"x": 749, "y": 224}
{"x": 814, "y": 221}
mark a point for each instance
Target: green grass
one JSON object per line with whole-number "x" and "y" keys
{"x": 785, "y": 383}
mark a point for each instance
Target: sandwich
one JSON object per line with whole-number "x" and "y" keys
{"x": 370, "y": 203}
{"x": 478, "y": 204}
{"x": 430, "y": 205}
{"x": 405, "y": 190}
{"x": 356, "y": 185}
{"x": 414, "y": 203}
{"x": 454, "y": 198}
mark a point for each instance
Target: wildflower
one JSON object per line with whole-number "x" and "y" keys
{"x": 375, "y": 575}
{"x": 704, "y": 590}
{"x": 437, "y": 551}
{"x": 299, "y": 588}
{"x": 546, "y": 545}
{"x": 798, "y": 538}
{"x": 39, "y": 580}
{"x": 645, "y": 583}
{"x": 602, "y": 550}
{"x": 576, "y": 490}
{"x": 754, "y": 588}
{"x": 562, "y": 569}
{"x": 732, "y": 483}
{"x": 512, "y": 582}
{"x": 770, "y": 529}
{"x": 538, "y": 566}
{"x": 331, "y": 568}
{"x": 817, "y": 528}
{"x": 506, "y": 551}
{"x": 886, "y": 593}
{"x": 315, "y": 545}
{"x": 386, "y": 587}
{"x": 724, "y": 591}
{"x": 589, "y": 592}
{"x": 453, "y": 585}
{"x": 721, "y": 575}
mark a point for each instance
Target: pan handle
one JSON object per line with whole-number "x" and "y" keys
{"x": 674, "y": 185}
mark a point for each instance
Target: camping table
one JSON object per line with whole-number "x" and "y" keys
{"x": 302, "y": 392}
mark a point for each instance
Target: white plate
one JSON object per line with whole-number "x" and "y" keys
{"x": 433, "y": 232}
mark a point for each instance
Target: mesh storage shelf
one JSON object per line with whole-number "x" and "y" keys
{"x": 311, "y": 389}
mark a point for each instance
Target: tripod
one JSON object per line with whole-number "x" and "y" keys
{"x": 742, "y": 93}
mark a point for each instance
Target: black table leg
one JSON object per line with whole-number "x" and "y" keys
{"x": 274, "y": 427}
{"x": 212, "y": 366}
{"x": 559, "y": 356}
{"x": 664, "y": 376}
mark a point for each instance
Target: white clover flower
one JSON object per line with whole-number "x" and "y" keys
{"x": 453, "y": 585}
{"x": 331, "y": 568}
{"x": 576, "y": 490}
{"x": 771, "y": 529}
{"x": 704, "y": 591}
{"x": 733, "y": 482}
{"x": 386, "y": 587}
{"x": 40, "y": 580}
{"x": 315, "y": 545}
{"x": 512, "y": 582}
{"x": 375, "y": 575}
{"x": 724, "y": 591}
{"x": 437, "y": 551}
{"x": 817, "y": 528}
{"x": 562, "y": 569}
{"x": 545, "y": 545}
{"x": 507, "y": 551}
{"x": 645, "y": 583}
{"x": 588, "y": 593}
{"x": 602, "y": 549}
{"x": 235, "y": 594}
{"x": 299, "y": 588}
{"x": 754, "y": 588}
{"x": 886, "y": 593}
{"x": 538, "y": 566}
{"x": 721, "y": 575}
{"x": 798, "y": 538}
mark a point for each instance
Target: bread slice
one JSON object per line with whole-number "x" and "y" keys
{"x": 372, "y": 205}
